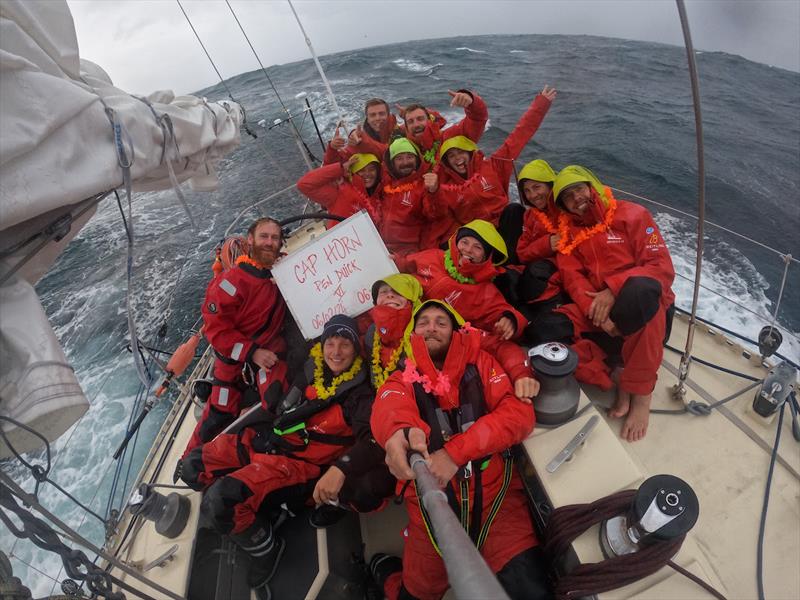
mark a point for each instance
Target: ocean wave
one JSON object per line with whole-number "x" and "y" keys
{"x": 519, "y": 51}
{"x": 471, "y": 50}
{"x": 416, "y": 67}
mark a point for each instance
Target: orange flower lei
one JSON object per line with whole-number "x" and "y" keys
{"x": 544, "y": 221}
{"x": 565, "y": 246}
{"x": 247, "y": 260}
{"x": 454, "y": 187}
{"x": 403, "y": 187}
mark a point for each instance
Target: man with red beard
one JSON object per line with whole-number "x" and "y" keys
{"x": 403, "y": 209}
{"x": 345, "y": 188}
{"x": 454, "y": 404}
{"x": 472, "y": 186}
{"x": 462, "y": 276}
{"x": 243, "y": 315}
{"x": 395, "y": 297}
{"x": 618, "y": 272}
{"x": 424, "y": 127}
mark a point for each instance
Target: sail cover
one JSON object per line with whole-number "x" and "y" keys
{"x": 65, "y": 135}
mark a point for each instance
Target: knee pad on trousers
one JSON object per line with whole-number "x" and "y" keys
{"x": 368, "y": 492}
{"x": 534, "y": 279}
{"x": 549, "y": 327}
{"x": 191, "y": 468}
{"x": 214, "y": 422}
{"x": 508, "y": 284}
{"x": 524, "y": 577}
{"x": 219, "y": 503}
{"x": 636, "y": 303}
{"x": 509, "y": 226}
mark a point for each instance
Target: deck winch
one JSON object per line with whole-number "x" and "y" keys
{"x": 169, "y": 513}
{"x": 664, "y": 508}
{"x": 559, "y": 395}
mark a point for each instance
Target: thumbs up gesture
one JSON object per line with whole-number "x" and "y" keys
{"x": 461, "y": 99}
{"x": 338, "y": 142}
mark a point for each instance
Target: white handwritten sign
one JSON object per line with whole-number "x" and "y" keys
{"x": 333, "y": 274}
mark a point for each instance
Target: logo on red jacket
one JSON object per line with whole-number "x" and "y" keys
{"x": 613, "y": 238}
{"x": 212, "y": 308}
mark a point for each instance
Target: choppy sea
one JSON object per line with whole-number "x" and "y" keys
{"x": 624, "y": 109}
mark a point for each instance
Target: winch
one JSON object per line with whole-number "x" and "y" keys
{"x": 559, "y": 395}
{"x": 169, "y": 513}
{"x": 664, "y": 508}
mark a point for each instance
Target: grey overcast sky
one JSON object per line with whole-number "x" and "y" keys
{"x": 146, "y": 45}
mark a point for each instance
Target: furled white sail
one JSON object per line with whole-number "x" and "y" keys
{"x": 65, "y": 135}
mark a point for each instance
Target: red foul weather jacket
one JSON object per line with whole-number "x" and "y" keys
{"x": 243, "y": 311}
{"x": 537, "y": 227}
{"x": 480, "y": 303}
{"x": 631, "y": 247}
{"x": 390, "y": 324}
{"x": 483, "y": 194}
{"x": 402, "y": 208}
{"x": 472, "y": 125}
{"x": 330, "y": 187}
{"x": 507, "y": 421}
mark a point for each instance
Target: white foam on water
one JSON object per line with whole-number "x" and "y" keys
{"x": 471, "y": 50}
{"x": 519, "y": 52}
{"x": 730, "y": 281}
{"x": 415, "y": 67}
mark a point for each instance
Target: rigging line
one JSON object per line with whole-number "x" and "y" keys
{"x": 319, "y": 67}
{"x": 712, "y": 224}
{"x": 785, "y": 330}
{"x": 221, "y": 80}
{"x": 701, "y": 198}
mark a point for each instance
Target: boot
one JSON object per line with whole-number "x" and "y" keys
{"x": 326, "y": 515}
{"x": 265, "y": 550}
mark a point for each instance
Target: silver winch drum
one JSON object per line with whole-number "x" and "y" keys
{"x": 664, "y": 508}
{"x": 559, "y": 394}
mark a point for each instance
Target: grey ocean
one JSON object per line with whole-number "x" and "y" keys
{"x": 623, "y": 109}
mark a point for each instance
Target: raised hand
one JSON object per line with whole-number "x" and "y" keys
{"x": 338, "y": 142}
{"x": 356, "y": 135}
{"x": 431, "y": 182}
{"x": 549, "y": 93}
{"x": 461, "y": 99}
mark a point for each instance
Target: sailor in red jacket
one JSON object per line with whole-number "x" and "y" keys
{"x": 425, "y": 127}
{"x": 395, "y": 296}
{"x": 472, "y": 186}
{"x": 539, "y": 289}
{"x": 462, "y": 276}
{"x": 402, "y": 204}
{"x": 322, "y": 422}
{"x": 618, "y": 271}
{"x": 449, "y": 382}
{"x": 344, "y": 188}
{"x": 243, "y": 315}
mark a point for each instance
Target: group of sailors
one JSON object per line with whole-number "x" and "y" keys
{"x": 437, "y": 366}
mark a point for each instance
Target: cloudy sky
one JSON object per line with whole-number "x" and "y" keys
{"x": 146, "y": 45}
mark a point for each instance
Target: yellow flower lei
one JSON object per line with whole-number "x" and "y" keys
{"x": 323, "y": 393}
{"x": 379, "y": 373}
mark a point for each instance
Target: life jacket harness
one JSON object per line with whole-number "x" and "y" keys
{"x": 271, "y": 437}
{"x": 444, "y": 424}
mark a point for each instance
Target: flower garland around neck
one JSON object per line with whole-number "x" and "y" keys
{"x": 411, "y": 375}
{"x": 403, "y": 187}
{"x": 246, "y": 260}
{"x": 545, "y": 221}
{"x": 379, "y": 373}
{"x": 452, "y": 271}
{"x": 566, "y": 246}
{"x": 455, "y": 187}
{"x": 317, "y": 390}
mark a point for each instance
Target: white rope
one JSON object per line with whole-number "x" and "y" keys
{"x": 319, "y": 68}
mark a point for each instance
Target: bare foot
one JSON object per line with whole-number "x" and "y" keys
{"x": 622, "y": 405}
{"x": 635, "y": 426}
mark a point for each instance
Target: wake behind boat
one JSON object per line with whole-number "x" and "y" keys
{"x": 176, "y": 569}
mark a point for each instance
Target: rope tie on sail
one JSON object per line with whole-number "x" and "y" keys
{"x": 169, "y": 146}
